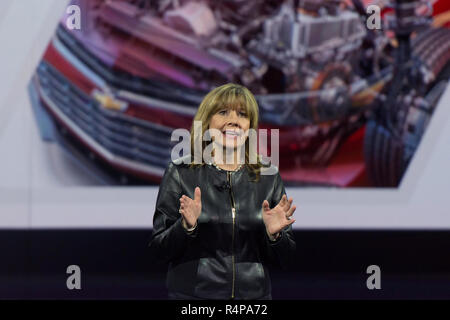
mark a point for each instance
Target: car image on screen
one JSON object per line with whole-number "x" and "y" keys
{"x": 351, "y": 103}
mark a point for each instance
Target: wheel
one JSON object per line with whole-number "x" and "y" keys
{"x": 387, "y": 157}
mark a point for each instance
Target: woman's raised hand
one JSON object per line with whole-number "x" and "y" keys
{"x": 191, "y": 209}
{"x": 279, "y": 217}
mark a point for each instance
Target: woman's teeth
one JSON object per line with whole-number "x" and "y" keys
{"x": 231, "y": 133}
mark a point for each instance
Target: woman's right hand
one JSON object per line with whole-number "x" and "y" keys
{"x": 191, "y": 209}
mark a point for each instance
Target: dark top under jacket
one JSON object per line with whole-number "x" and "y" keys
{"x": 220, "y": 259}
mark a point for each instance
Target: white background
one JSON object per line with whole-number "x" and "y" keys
{"x": 38, "y": 190}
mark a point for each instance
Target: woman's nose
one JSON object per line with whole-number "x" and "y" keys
{"x": 232, "y": 123}
{"x": 232, "y": 116}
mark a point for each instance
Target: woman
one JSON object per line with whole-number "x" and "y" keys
{"x": 220, "y": 223}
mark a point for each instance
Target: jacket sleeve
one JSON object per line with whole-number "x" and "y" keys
{"x": 169, "y": 238}
{"x": 281, "y": 251}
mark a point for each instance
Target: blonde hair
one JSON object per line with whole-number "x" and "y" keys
{"x": 228, "y": 96}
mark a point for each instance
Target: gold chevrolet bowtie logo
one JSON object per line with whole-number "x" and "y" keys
{"x": 108, "y": 101}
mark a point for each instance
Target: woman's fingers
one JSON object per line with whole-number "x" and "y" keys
{"x": 188, "y": 206}
{"x": 185, "y": 200}
{"x": 282, "y": 202}
{"x": 290, "y": 211}
{"x": 197, "y": 195}
{"x": 183, "y": 206}
{"x": 265, "y": 205}
{"x": 290, "y": 202}
{"x": 291, "y": 221}
{"x": 287, "y": 204}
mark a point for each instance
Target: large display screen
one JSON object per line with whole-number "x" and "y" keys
{"x": 92, "y": 91}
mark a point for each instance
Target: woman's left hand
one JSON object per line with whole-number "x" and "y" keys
{"x": 279, "y": 217}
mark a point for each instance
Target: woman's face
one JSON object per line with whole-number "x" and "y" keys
{"x": 233, "y": 126}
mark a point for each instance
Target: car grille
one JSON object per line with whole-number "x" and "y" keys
{"x": 125, "y": 136}
{"x": 122, "y": 80}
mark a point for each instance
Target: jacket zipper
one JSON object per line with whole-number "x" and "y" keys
{"x": 233, "y": 215}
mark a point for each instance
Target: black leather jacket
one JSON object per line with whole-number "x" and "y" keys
{"x": 222, "y": 258}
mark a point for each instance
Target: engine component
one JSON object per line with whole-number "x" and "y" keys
{"x": 333, "y": 101}
{"x": 193, "y": 18}
{"x": 291, "y": 34}
{"x": 387, "y": 150}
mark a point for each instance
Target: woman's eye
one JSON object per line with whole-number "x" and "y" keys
{"x": 243, "y": 114}
{"x": 222, "y": 112}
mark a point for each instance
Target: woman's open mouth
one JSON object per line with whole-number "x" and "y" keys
{"x": 231, "y": 134}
